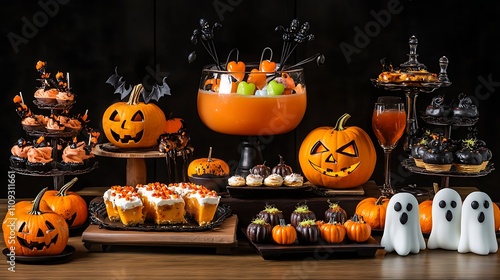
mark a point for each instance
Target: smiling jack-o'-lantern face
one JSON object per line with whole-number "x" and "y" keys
{"x": 337, "y": 157}
{"x": 35, "y": 232}
{"x": 133, "y": 125}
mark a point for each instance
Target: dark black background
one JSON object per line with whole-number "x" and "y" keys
{"x": 90, "y": 38}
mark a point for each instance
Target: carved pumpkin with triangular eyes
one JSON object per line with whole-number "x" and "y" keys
{"x": 34, "y": 232}
{"x": 337, "y": 157}
{"x": 133, "y": 124}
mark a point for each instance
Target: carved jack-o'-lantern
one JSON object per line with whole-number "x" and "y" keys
{"x": 133, "y": 124}
{"x": 337, "y": 157}
{"x": 32, "y": 232}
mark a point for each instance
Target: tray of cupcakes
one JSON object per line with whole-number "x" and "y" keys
{"x": 264, "y": 181}
{"x": 301, "y": 234}
{"x": 435, "y": 154}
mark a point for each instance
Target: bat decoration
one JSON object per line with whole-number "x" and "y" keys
{"x": 157, "y": 91}
{"x": 119, "y": 84}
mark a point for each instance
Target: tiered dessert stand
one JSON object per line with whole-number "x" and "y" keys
{"x": 58, "y": 175}
{"x": 412, "y": 89}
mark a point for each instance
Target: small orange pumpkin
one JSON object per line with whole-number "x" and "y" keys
{"x": 174, "y": 125}
{"x": 337, "y": 157}
{"x": 208, "y": 167}
{"x": 496, "y": 215}
{"x": 333, "y": 232}
{"x": 133, "y": 124}
{"x": 32, "y": 232}
{"x": 425, "y": 211}
{"x": 425, "y": 215}
{"x": 357, "y": 229}
{"x": 70, "y": 205}
{"x": 284, "y": 234}
{"x": 373, "y": 211}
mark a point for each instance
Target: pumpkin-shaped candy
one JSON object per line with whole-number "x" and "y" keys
{"x": 284, "y": 234}
{"x": 301, "y": 213}
{"x": 35, "y": 232}
{"x": 208, "y": 167}
{"x": 373, "y": 211}
{"x": 425, "y": 211}
{"x": 496, "y": 216}
{"x": 307, "y": 232}
{"x": 333, "y": 232}
{"x": 261, "y": 169}
{"x": 259, "y": 231}
{"x": 133, "y": 124}
{"x": 334, "y": 210}
{"x": 282, "y": 169}
{"x": 337, "y": 157}
{"x": 271, "y": 215}
{"x": 357, "y": 229}
{"x": 70, "y": 205}
{"x": 425, "y": 215}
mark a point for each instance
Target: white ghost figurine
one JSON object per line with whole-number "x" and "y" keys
{"x": 402, "y": 232}
{"x": 446, "y": 218}
{"x": 478, "y": 225}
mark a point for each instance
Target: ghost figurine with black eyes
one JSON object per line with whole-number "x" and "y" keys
{"x": 477, "y": 225}
{"x": 446, "y": 218}
{"x": 402, "y": 232}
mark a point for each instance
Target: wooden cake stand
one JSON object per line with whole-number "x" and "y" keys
{"x": 136, "y": 160}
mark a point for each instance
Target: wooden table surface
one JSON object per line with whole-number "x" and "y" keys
{"x": 138, "y": 262}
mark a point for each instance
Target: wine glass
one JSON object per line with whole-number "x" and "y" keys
{"x": 251, "y": 115}
{"x": 388, "y": 123}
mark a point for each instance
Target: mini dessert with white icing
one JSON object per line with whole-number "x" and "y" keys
{"x": 273, "y": 180}
{"x": 236, "y": 181}
{"x": 254, "y": 180}
{"x": 293, "y": 180}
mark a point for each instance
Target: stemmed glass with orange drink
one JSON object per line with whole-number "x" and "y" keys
{"x": 388, "y": 123}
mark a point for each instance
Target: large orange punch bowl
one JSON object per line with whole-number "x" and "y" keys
{"x": 227, "y": 107}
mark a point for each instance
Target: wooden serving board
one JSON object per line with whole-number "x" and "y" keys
{"x": 222, "y": 238}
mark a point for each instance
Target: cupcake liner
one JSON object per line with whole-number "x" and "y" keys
{"x": 468, "y": 168}
{"x": 438, "y": 167}
{"x": 38, "y": 166}
{"x": 17, "y": 162}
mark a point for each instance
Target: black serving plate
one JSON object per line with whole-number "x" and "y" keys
{"x": 64, "y": 256}
{"x": 99, "y": 216}
{"x": 409, "y": 164}
{"x": 54, "y": 172}
{"x": 266, "y": 192}
{"x": 319, "y": 250}
{"x": 456, "y": 121}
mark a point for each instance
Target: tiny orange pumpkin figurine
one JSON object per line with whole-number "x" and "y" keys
{"x": 35, "y": 232}
{"x": 373, "y": 211}
{"x": 425, "y": 212}
{"x": 284, "y": 234}
{"x": 208, "y": 167}
{"x": 496, "y": 215}
{"x": 357, "y": 229}
{"x": 70, "y": 205}
{"x": 333, "y": 232}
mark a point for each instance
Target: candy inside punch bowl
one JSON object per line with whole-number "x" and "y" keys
{"x": 253, "y": 99}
